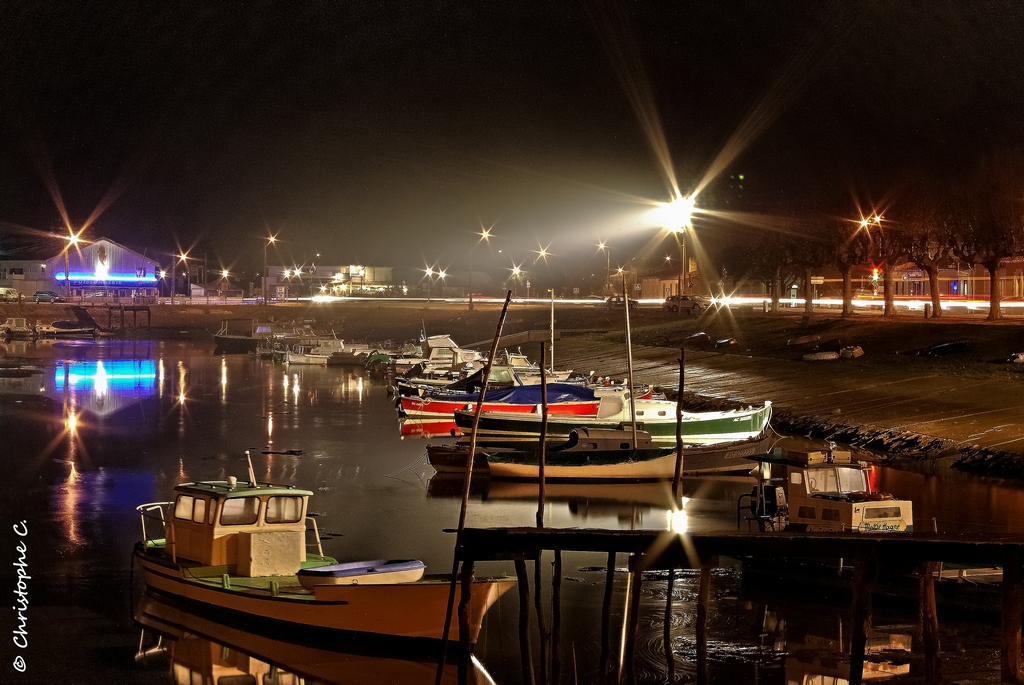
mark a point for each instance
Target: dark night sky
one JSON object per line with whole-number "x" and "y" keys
{"x": 387, "y": 132}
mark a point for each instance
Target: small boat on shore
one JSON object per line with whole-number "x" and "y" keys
{"x": 239, "y": 549}
{"x": 65, "y": 329}
{"x": 16, "y": 328}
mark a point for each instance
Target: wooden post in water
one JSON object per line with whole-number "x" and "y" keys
{"x": 1010, "y": 658}
{"x": 606, "y": 615}
{"x": 629, "y": 362}
{"x": 541, "y": 455}
{"x": 632, "y": 619}
{"x": 465, "y": 490}
{"x": 670, "y": 659}
{"x": 524, "y": 622}
{"x": 465, "y": 618}
{"x": 929, "y": 622}
{"x": 703, "y": 597}
{"x": 556, "y": 616}
{"x": 677, "y": 483}
{"x": 863, "y": 575}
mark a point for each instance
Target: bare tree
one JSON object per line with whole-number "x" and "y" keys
{"x": 847, "y": 246}
{"x": 984, "y": 222}
{"x": 924, "y": 237}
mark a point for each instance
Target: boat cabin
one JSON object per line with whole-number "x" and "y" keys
{"x": 825, "y": 491}
{"x": 260, "y": 530}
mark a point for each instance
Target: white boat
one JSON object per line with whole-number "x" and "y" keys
{"x": 825, "y": 491}
{"x": 441, "y": 355}
{"x": 315, "y": 353}
{"x": 527, "y": 372}
{"x": 657, "y": 417}
{"x": 239, "y": 548}
{"x": 65, "y": 329}
{"x": 16, "y": 327}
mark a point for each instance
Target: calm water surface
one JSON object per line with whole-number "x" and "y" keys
{"x": 152, "y": 414}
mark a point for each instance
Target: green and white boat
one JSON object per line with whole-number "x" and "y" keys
{"x": 656, "y": 417}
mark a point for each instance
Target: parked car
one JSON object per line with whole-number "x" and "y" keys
{"x": 9, "y": 295}
{"x": 690, "y": 304}
{"x": 616, "y": 302}
{"x": 48, "y": 296}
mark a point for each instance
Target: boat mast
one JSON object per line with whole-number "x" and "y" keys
{"x": 629, "y": 361}
{"x": 551, "y": 358}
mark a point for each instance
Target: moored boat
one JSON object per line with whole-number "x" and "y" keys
{"x": 238, "y": 548}
{"x": 657, "y": 417}
{"x": 822, "y": 490}
{"x": 16, "y": 328}
{"x": 65, "y": 329}
{"x": 203, "y": 647}
{"x": 562, "y": 399}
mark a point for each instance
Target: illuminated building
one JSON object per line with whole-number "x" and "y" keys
{"x": 95, "y": 268}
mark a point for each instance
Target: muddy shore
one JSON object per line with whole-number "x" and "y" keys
{"x": 960, "y": 408}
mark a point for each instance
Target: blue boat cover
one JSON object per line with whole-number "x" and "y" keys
{"x": 522, "y": 394}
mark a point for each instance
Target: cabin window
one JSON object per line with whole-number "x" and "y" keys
{"x": 806, "y": 513}
{"x": 829, "y": 514}
{"x": 199, "y": 510}
{"x": 212, "y": 516}
{"x": 662, "y": 413}
{"x": 284, "y": 509}
{"x": 183, "y": 508}
{"x": 852, "y": 480}
{"x": 796, "y": 478}
{"x": 240, "y": 511}
{"x": 882, "y": 513}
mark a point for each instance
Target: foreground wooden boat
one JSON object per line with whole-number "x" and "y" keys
{"x": 203, "y": 649}
{"x": 238, "y": 548}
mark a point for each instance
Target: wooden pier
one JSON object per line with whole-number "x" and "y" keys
{"x": 875, "y": 558}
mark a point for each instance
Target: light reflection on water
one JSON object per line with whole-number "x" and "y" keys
{"x": 161, "y": 413}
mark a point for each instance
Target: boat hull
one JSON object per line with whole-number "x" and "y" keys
{"x": 235, "y": 344}
{"x": 421, "y": 406}
{"x": 407, "y": 610}
{"x": 644, "y": 464}
{"x": 513, "y": 429}
{"x": 308, "y": 656}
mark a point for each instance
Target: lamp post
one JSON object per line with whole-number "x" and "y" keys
{"x": 603, "y": 246}
{"x": 72, "y": 239}
{"x": 183, "y": 258}
{"x": 269, "y": 240}
{"x": 516, "y": 271}
{"x": 485, "y": 234}
{"x": 679, "y": 216}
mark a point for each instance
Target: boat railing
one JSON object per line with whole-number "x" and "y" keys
{"x": 155, "y": 512}
{"x": 316, "y": 535}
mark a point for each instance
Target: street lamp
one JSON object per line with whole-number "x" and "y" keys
{"x": 678, "y": 216}
{"x": 270, "y": 240}
{"x": 485, "y": 235}
{"x": 429, "y": 271}
{"x": 516, "y": 271}
{"x": 184, "y": 259}
{"x": 72, "y": 242}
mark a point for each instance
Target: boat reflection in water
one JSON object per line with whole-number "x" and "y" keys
{"x": 203, "y": 650}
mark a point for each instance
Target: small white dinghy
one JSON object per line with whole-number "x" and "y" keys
{"x": 376, "y": 572}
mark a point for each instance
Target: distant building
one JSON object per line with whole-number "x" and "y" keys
{"x": 101, "y": 267}
{"x": 285, "y": 282}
